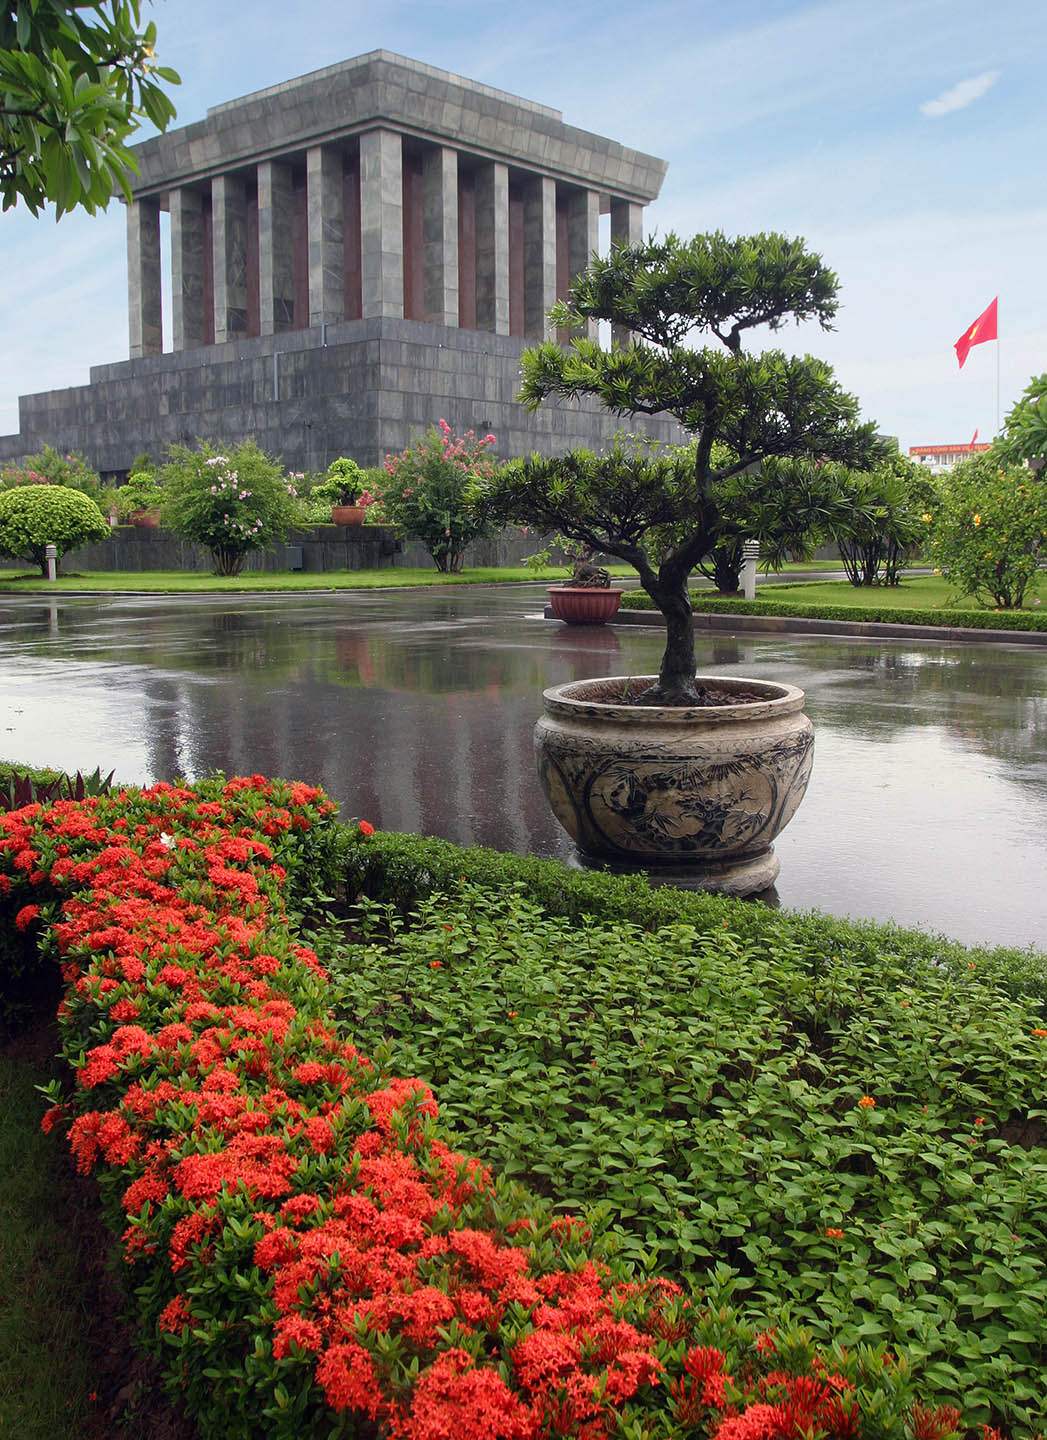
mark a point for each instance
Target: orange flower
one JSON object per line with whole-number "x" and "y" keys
{"x": 436, "y": 964}
{"x": 980, "y": 1120}
{"x": 1040, "y": 1033}
{"x": 867, "y": 1102}
{"x": 833, "y": 1234}
{"x": 366, "y": 828}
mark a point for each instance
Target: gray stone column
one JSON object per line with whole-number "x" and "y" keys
{"x": 583, "y": 237}
{"x": 229, "y": 245}
{"x": 187, "y": 269}
{"x": 440, "y": 235}
{"x": 324, "y": 179}
{"x": 539, "y": 256}
{"x": 626, "y": 229}
{"x": 275, "y": 247}
{"x": 144, "y": 288}
{"x": 381, "y": 225}
{"x": 492, "y": 248}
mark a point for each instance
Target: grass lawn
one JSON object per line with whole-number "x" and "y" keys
{"x": 177, "y": 583}
{"x": 921, "y": 592}
{"x": 388, "y": 578}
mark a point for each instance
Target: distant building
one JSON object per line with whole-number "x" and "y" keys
{"x": 355, "y": 254}
{"x": 939, "y": 458}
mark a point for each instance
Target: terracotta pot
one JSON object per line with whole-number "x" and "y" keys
{"x": 348, "y": 514}
{"x": 699, "y": 793}
{"x": 583, "y": 604}
{"x": 145, "y": 519}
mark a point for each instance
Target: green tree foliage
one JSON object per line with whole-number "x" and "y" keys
{"x": 791, "y": 506}
{"x": 883, "y": 522}
{"x": 1025, "y": 428}
{"x": 665, "y": 518}
{"x": 231, "y": 502}
{"x": 75, "y": 82}
{"x": 35, "y": 516}
{"x": 430, "y": 489}
{"x": 988, "y": 535}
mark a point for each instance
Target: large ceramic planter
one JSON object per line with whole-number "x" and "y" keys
{"x": 583, "y": 604}
{"x": 348, "y": 514}
{"x": 697, "y": 792}
{"x": 144, "y": 519}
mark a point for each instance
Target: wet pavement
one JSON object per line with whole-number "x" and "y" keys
{"x": 415, "y": 710}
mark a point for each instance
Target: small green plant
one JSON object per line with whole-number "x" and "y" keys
{"x": 35, "y": 516}
{"x": 429, "y": 492}
{"x": 989, "y": 533}
{"x": 232, "y": 503}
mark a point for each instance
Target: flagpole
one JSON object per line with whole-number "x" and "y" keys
{"x": 997, "y": 382}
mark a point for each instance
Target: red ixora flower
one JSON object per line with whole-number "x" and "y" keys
{"x": 832, "y": 1233}
{"x": 365, "y": 827}
{"x": 867, "y": 1102}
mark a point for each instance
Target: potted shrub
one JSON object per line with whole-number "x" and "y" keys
{"x": 343, "y": 489}
{"x": 585, "y": 597}
{"x": 679, "y": 769}
{"x": 138, "y": 501}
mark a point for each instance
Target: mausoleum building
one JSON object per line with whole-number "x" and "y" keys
{"x": 353, "y": 255}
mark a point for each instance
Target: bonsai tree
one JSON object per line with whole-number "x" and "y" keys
{"x": 790, "y": 506}
{"x": 431, "y": 489}
{"x": 141, "y": 492}
{"x": 231, "y": 503}
{"x": 342, "y": 483}
{"x": 35, "y": 516}
{"x": 661, "y": 514}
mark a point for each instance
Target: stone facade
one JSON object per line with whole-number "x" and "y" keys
{"x": 354, "y": 255}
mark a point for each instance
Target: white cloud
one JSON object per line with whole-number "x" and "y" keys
{"x": 961, "y": 95}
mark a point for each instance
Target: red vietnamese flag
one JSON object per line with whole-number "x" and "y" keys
{"x": 984, "y": 328}
{"x": 974, "y": 438}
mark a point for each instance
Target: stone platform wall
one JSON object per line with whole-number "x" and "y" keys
{"x": 361, "y": 389}
{"x": 316, "y": 549}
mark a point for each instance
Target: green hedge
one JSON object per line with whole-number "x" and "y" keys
{"x": 704, "y": 603}
{"x": 406, "y": 869}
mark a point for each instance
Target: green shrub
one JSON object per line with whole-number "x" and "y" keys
{"x": 35, "y": 516}
{"x": 989, "y": 532}
{"x": 230, "y": 503}
{"x": 707, "y": 1096}
{"x": 55, "y": 467}
{"x": 427, "y": 492}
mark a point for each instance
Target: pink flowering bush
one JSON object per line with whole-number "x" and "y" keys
{"x": 430, "y": 491}
{"x": 231, "y": 503}
{"x": 307, "y": 1253}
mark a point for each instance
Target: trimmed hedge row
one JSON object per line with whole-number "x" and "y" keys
{"x": 306, "y": 1251}
{"x": 404, "y": 869}
{"x": 704, "y": 603}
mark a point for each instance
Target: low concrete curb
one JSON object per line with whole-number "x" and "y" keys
{"x": 805, "y": 625}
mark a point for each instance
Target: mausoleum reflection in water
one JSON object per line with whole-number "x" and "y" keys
{"x": 415, "y": 709}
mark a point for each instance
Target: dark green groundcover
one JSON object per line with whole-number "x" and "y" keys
{"x": 845, "y": 1120}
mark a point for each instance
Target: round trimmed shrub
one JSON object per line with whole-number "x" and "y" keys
{"x": 35, "y": 516}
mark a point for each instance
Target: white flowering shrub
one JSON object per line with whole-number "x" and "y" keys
{"x": 231, "y": 500}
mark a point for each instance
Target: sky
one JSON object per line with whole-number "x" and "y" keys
{"x": 902, "y": 139}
